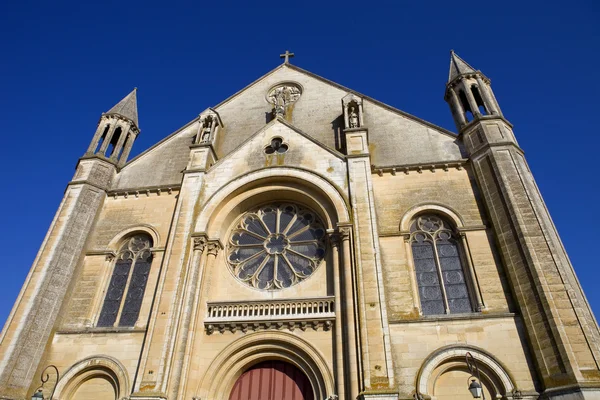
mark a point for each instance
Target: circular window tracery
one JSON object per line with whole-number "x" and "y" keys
{"x": 276, "y": 246}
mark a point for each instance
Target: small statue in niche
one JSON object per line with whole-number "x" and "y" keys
{"x": 353, "y": 117}
{"x": 206, "y": 130}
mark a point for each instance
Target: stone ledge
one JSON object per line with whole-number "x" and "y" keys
{"x": 95, "y": 330}
{"x": 455, "y": 317}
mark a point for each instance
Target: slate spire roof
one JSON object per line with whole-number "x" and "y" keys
{"x": 458, "y": 66}
{"x": 127, "y": 107}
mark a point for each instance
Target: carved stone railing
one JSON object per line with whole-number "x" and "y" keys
{"x": 312, "y": 313}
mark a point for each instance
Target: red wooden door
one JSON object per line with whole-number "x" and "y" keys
{"x": 272, "y": 380}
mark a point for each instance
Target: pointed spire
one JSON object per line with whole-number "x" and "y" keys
{"x": 458, "y": 66}
{"x": 127, "y": 107}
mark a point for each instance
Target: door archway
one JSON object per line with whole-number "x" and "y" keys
{"x": 272, "y": 380}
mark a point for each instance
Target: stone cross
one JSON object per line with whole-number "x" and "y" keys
{"x": 287, "y": 56}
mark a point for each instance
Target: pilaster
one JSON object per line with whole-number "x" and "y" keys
{"x": 366, "y": 274}
{"x": 160, "y": 364}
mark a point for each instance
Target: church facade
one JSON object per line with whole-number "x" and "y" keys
{"x": 300, "y": 240}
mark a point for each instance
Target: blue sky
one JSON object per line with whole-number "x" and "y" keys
{"x": 64, "y": 63}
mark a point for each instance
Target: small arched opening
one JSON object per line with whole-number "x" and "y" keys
{"x": 95, "y": 378}
{"x": 479, "y": 100}
{"x": 465, "y": 104}
{"x": 113, "y": 142}
{"x": 102, "y": 138}
{"x": 445, "y": 376}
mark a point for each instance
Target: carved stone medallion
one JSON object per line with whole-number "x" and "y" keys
{"x": 282, "y": 95}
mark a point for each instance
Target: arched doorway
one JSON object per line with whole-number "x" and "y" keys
{"x": 272, "y": 380}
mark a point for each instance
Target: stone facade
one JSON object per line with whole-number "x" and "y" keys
{"x": 327, "y": 187}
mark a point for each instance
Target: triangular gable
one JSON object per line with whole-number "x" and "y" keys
{"x": 303, "y": 151}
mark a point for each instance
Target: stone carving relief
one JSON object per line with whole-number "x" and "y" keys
{"x": 282, "y": 96}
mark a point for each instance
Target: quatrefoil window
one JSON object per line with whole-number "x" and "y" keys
{"x": 276, "y": 246}
{"x": 276, "y": 146}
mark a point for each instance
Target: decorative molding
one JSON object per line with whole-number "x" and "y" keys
{"x": 143, "y": 191}
{"x": 200, "y": 243}
{"x": 335, "y": 238}
{"x": 460, "y": 230}
{"x": 213, "y": 247}
{"x": 316, "y": 313}
{"x": 419, "y": 168}
{"x": 344, "y": 232}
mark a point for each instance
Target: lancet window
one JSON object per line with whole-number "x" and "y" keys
{"x": 128, "y": 283}
{"x": 440, "y": 271}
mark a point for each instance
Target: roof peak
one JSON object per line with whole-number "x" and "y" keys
{"x": 127, "y": 107}
{"x": 458, "y": 66}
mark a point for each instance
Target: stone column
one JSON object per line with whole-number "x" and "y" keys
{"x": 127, "y": 149}
{"x": 334, "y": 239}
{"x": 186, "y": 327}
{"x": 350, "y": 313}
{"x": 471, "y": 99}
{"x": 108, "y": 138}
{"x": 196, "y": 326}
{"x": 459, "y": 114}
{"x": 472, "y": 275}
{"x": 97, "y": 136}
{"x": 485, "y": 96}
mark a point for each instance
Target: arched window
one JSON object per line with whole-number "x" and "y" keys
{"x": 128, "y": 282}
{"x": 439, "y": 268}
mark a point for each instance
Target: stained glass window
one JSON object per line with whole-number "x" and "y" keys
{"x": 132, "y": 266}
{"x": 276, "y": 246}
{"x": 438, "y": 266}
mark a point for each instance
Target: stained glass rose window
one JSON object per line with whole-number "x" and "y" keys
{"x": 276, "y": 246}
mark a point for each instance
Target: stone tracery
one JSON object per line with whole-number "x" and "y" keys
{"x": 276, "y": 246}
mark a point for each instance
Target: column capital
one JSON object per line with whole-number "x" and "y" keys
{"x": 213, "y": 247}
{"x": 200, "y": 243}
{"x": 345, "y": 232}
{"x": 334, "y": 238}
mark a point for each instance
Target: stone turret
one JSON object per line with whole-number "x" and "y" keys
{"x": 561, "y": 329}
{"x": 116, "y": 132}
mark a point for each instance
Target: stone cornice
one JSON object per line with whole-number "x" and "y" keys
{"x": 86, "y": 182}
{"x": 480, "y": 118}
{"x": 459, "y": 77}
{"x": 144, "y": 191}
{"x": 419, "y": 168}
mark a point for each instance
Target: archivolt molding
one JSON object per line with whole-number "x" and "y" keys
{"x": 435, "y": 207}
{"x": 456, "y": 355}
{"x": 251, "y": 349}
{"x": 117, "y": 240}
{"x": 96, "y": 366}
{"x": 303, "y": 184}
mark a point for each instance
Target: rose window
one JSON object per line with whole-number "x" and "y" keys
{"x": 276, "y": 246}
